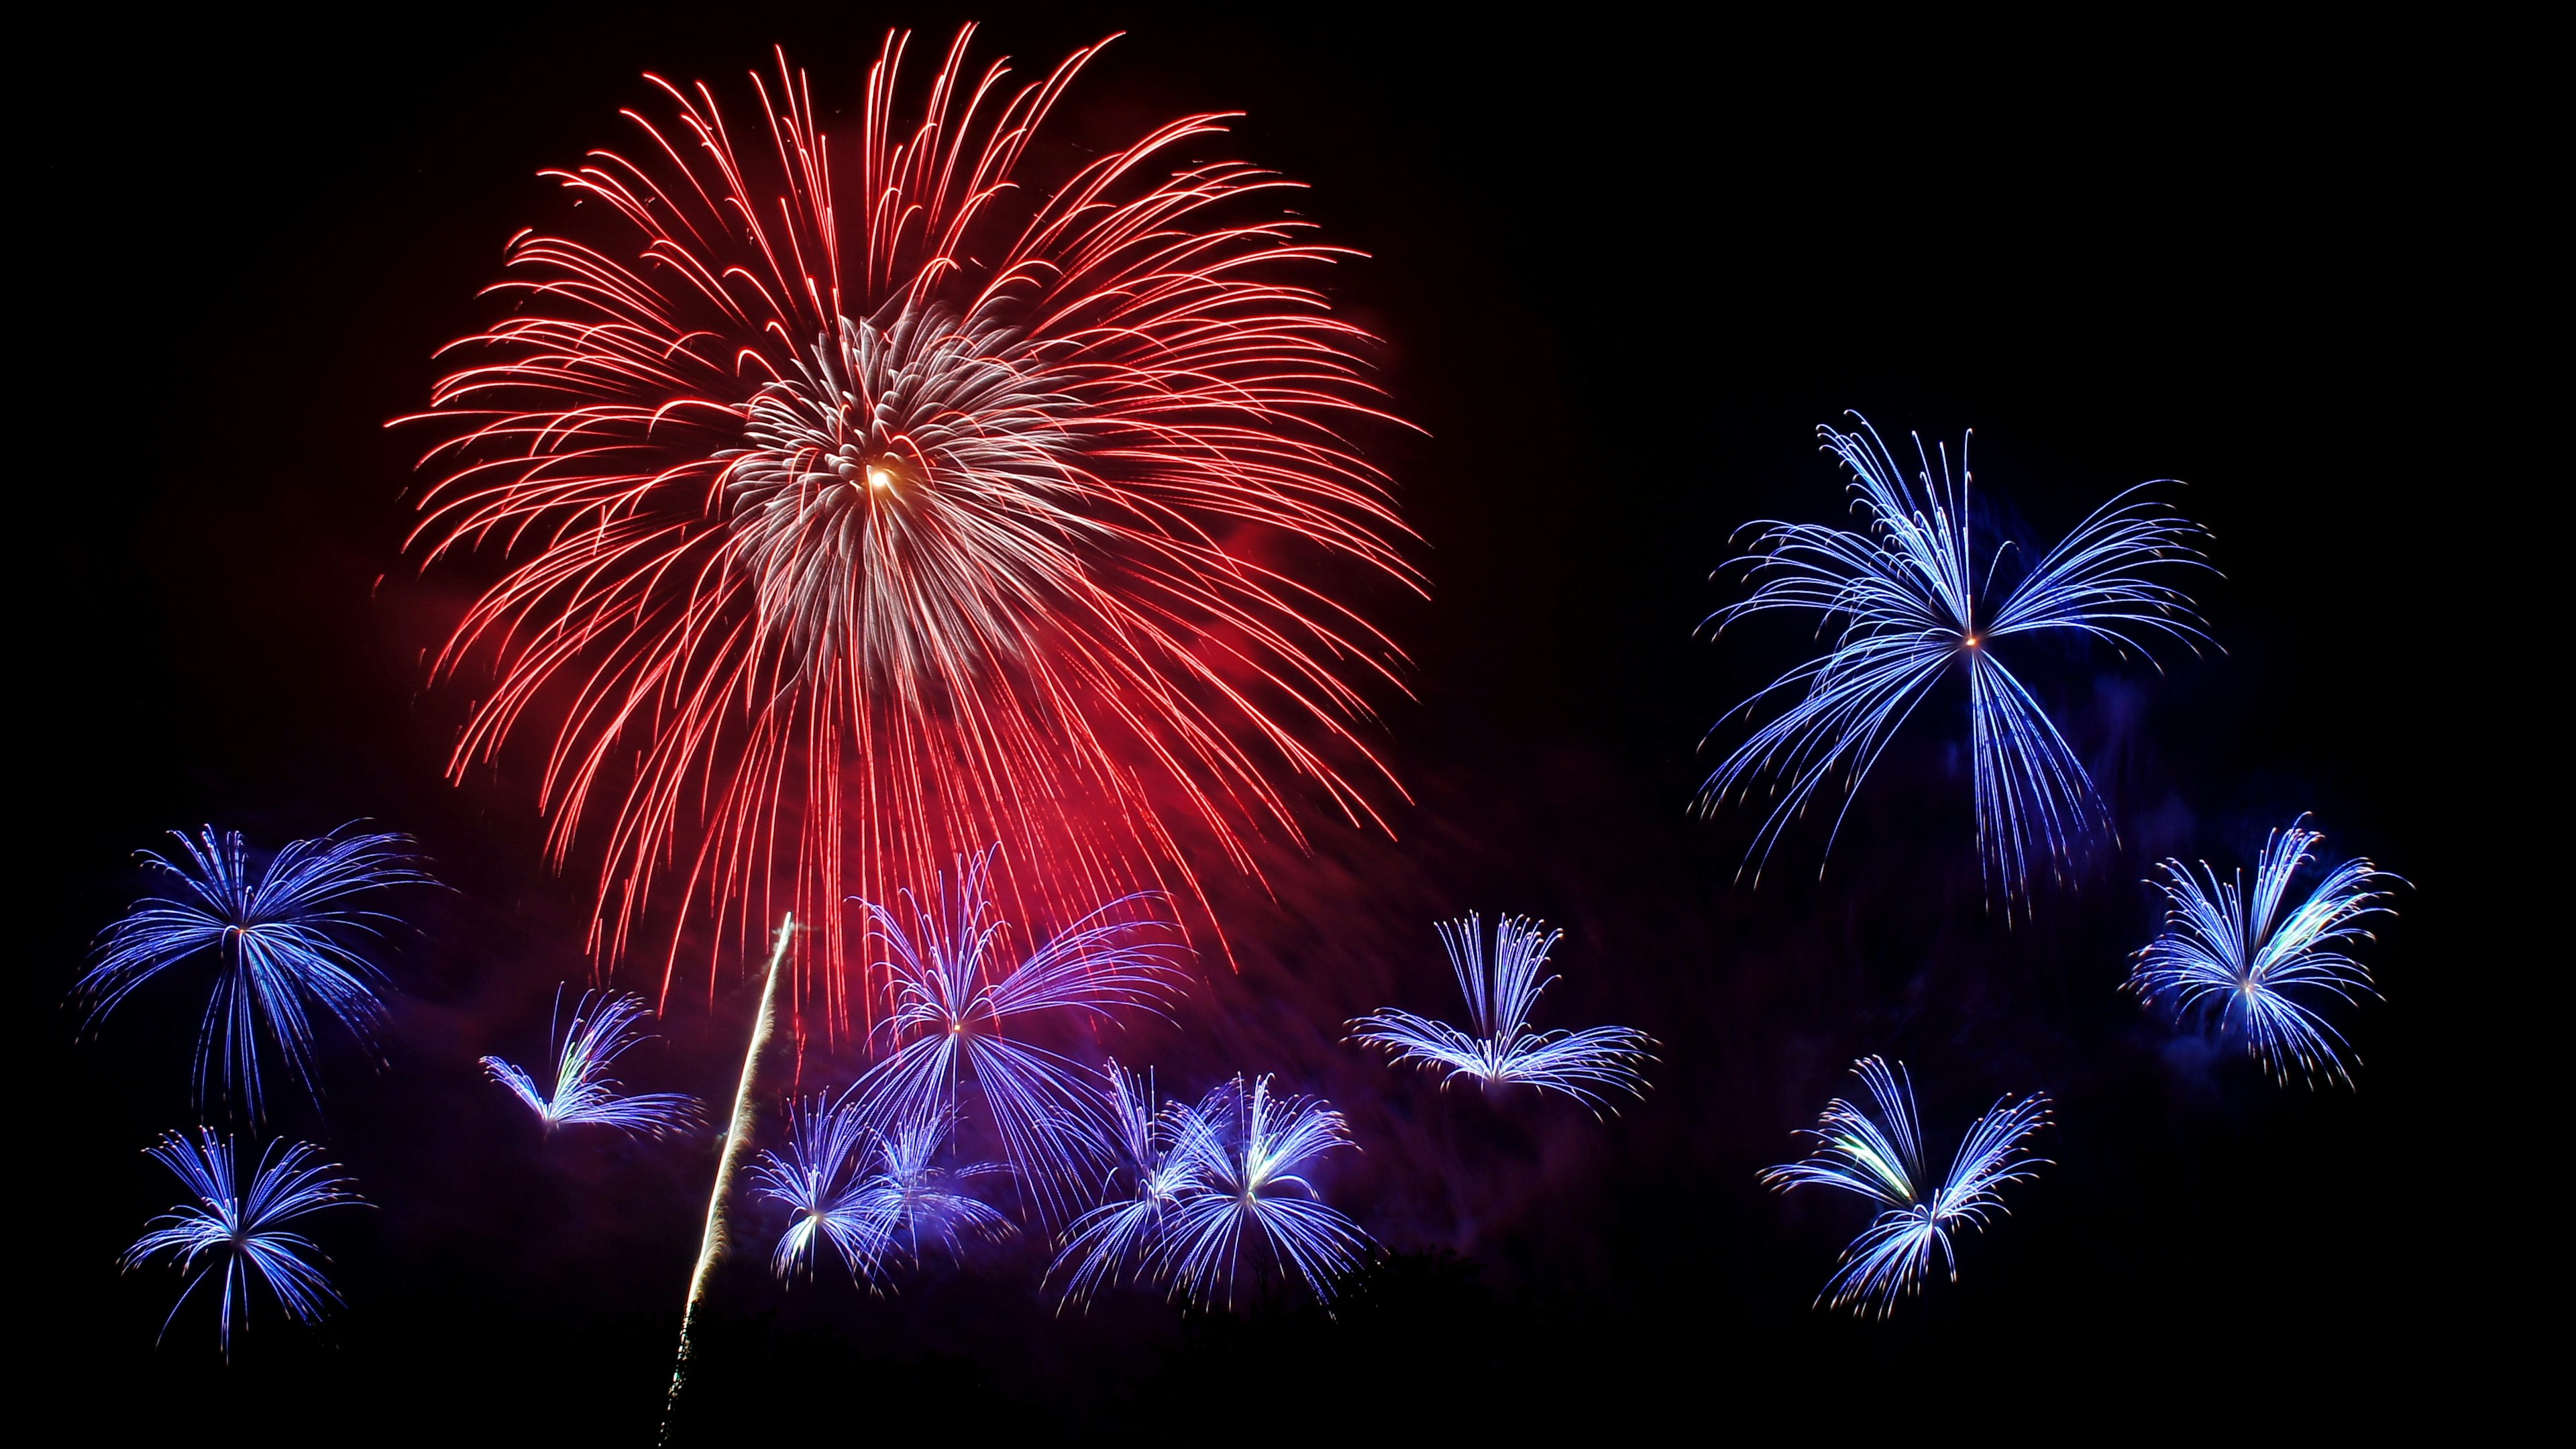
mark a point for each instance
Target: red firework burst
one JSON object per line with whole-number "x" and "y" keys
{"x": 842, "y": 542}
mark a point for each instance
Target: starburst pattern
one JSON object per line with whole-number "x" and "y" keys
{"x": 281, "y": 941}
{"x": 1498, "y": 1047}
{"x": 244, "y": 1238}
{"x": 863, "y": 505}
{"x": 1908, "y": 600}
{"x": 603, "y": 1027}
{"x": 1880, "y": 1157}
{"x": 2265, "y": 970}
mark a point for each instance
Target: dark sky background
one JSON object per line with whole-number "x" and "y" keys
{"x": 1624, "y": 266}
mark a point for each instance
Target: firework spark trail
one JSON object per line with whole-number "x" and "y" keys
{"x": 583, "y": 1093}
{"x": 2233, "y": 953}
{"x": 1500, "y": 1048}
{"x": 278, "y": 940}
{"x": 1880, "y": 1157}
{"x": 244, "y": 1234}
{"x": 876, "y": 504}
{"x": 1905, "y": 601}
{"x": 712, "y": 1242}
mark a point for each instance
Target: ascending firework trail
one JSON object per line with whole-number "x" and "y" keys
{"x": 711, "y": 1243}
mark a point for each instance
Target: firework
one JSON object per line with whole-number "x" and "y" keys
{"x": 862, "y": 504}
{"x": 1500, "y": 1048}
{"x": 1251, "y": 1151}
{"x": 1158, "y": 1167}
{"x": 1881, "y": 1158}
{"x": 1908, "y": 600}
{"x": 817, "y": 1177}
{"x": 281, "y": 941}
{"x": 908, "y": 1196}
{"x": 603, "y": 1027}
{"x": 956, "y": 1007}
{"x": 244, "y": 1237}
{"x": 2263, "y": 972}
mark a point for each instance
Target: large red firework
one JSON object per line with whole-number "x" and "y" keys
{"x": 860, "y": 514}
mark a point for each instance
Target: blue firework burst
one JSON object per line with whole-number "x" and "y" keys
{"x": 2263, "y": 970}
{"x": 1911, "y": 598}
{"x": 241, "y": 1235}
{"x": 282, "y": 943}
{"x": 1879, "y": 1156}
{"x": 1499, "y": 1047}
{"x": 959, "y": 1007}
{"x": 1253, "y": 1204}
{"x": 602, "y": 1029}
{"x": 1115, "y": 1241}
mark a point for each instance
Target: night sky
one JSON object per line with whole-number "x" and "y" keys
{"x": 1623, "y": 269}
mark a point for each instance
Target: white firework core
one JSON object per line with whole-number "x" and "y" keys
{"x": 908, "y": 494}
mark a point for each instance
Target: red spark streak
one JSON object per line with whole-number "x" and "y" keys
{"x": 848, "y": 543}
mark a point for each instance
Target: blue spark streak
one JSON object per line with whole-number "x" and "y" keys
{"x": 277, "y": 939}
{"x": 1881, "y": 1158}
{"x": 954, "y": 1007}
{"x": 2262, "y": 972}
{"x": 1905, "y": 600}
{"x": 603, "y": 1027}
{"x": 1500, "y": 1048}
{"x": 244, "y": 1236}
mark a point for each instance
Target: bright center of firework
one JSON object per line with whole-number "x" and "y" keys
{"x": 880, "y": 477}
{"x": 1971, "y": 641}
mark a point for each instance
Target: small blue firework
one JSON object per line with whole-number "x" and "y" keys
{"x": 1881, "y": 1158}
{"x": 1906, "y": 600}
{"x": 280, "y": 941}
{"x": 1500, "y": 1048}
{"x": 1251, "y": 1152}
{"x": 818, "y": 1176}
{"x": 2262, "y": 971}
{"x": 244, "y": 1237}
{"x": 955, "y": 1008}
{"x": 908, "y": 1197}
{"x": 603, "y": 1027}
{"x": 1114, "y": 1241}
